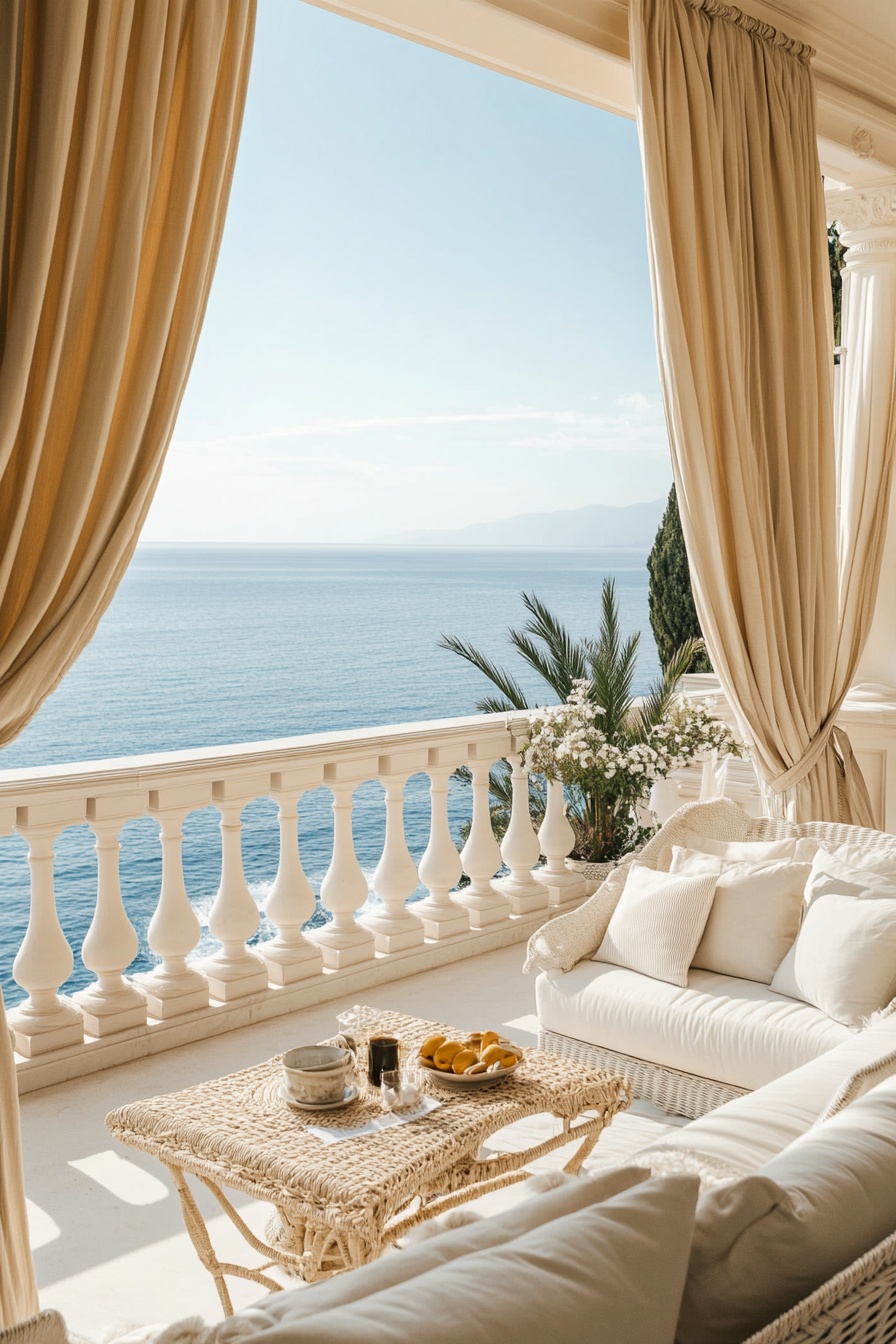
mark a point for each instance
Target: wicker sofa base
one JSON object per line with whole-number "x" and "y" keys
{"x": 674, "y": 1092}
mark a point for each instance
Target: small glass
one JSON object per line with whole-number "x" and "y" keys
{"x": 391, "y": 1089}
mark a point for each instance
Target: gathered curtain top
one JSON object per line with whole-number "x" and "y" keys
{"x": 764, "y": 31}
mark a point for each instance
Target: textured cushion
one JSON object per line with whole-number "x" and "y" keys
{"x": 755, "y": 914}
{"x": 657, "y": 923}
{"x": 523, "y": 1217}
{"x": 611, "y": 1273}
{"x": 844, "y": 958}
{"x": 752, "y": 851}
{"x": 763, "y": 1243}
{"x": 746, "y": 1133}
{"x": 830, "y": 876}
{"x": 875, "y": 858}
{"x": 736, "y": 1031}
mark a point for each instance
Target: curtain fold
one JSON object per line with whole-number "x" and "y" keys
{"x": 737, "y": 244}
{"x": 119, "y": 125}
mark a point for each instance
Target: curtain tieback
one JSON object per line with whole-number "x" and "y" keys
{"x": 812, "y": 755}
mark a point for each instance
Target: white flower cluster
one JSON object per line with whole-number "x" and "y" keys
{"x": 570, "y": 743}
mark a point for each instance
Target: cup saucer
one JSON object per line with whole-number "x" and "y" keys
{"x": 346, "y": 1099}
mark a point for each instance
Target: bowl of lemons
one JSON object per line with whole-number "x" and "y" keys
{"x": 479, "y": 1060}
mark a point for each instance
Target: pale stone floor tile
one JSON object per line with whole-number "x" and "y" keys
{"x": 109, "y": 1243}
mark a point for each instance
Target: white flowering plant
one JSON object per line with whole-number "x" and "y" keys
{"x": 607, "y": 770}
{"x": 606, "y": 744}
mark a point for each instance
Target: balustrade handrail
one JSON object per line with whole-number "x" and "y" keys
{"x": 147, "y": 771}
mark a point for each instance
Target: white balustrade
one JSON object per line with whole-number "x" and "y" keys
{"x": 343, "y": 942}
{"x": 393, "y": 926}
{"x": 173, "y": 987}
{"x": 290, "y": 956}
{"x": 110, "y": 1004}
{"x": 440, "y": 867}
{"x": 364, "y": 942}
{"x": 520, "y": 849}
{"x": 556, "y": 838}
{"x": 234, "y": 972}
{"x": 481, "y": 857}
{"x": 45, "y": 1021}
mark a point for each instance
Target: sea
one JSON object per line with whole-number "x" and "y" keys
{"x": 208, "y": 646}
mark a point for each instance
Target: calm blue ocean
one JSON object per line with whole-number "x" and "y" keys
{"x": 211, "y": 646}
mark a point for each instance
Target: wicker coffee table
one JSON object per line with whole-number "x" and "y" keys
{"x": 337, "y": 1205}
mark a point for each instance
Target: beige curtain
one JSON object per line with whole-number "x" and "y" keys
{"x": 736, "y": 235}
{"x": 119, "y": 123}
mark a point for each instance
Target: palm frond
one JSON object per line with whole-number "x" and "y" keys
{"x": 656, "y": 703}
{"x": 559, "y": 682}
{"x": 567, "y": 653}
{"x": 506, "y": 684}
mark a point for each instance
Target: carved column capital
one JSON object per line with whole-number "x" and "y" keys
{"x": 867, "y": 219}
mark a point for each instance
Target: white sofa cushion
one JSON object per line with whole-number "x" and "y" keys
{"x": 830, "y": 876}
{"x": 800, "y": 850}
{"x": 658, "y": 922}
{"x": 844, "y": 958}
{"x": 763, "y": 1243}
{"x": 746, "y": 1133}
{"x": 529, "y": 1213}
{"x": 734, "y": 1031}
{"x": 755, "y": 914}
{"x": 611, "y": 1273}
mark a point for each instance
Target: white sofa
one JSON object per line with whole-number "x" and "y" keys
{"x": 687, "y": 1048}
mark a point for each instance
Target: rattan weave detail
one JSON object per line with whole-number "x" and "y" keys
{"x": 674, "y": 1092}
{"x": 338, "y": 1204}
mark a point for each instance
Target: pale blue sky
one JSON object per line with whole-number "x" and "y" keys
{"x": 431, "y": 308}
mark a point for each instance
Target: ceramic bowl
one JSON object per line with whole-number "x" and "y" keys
{"x": 316, "y": 1073}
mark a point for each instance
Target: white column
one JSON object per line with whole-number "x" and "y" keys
{"x": 440, "y": 867}
{"x": 45, "y": 1021}
{"x": 173, "y": 987}
{"x": 343, "y": 942}
{"x": 520, "y": 849}
{"x": 394, "y": 926}
{"x": 234, "y": 972}
{"x": 481, "y": 858}
{"x": 290, "y": 956}
{"x": 866, "y": 428}
{"x": 556, "y": 838}
{"x": 111, "y": 1003}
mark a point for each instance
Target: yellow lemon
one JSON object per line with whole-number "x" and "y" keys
{"x": 463, "y": 1059}
{"x": 430, "y": 1046}
{"x": 489, "y": 1038}
{"x": 492, "y": 1054}
{"x": 445, "y": 1054}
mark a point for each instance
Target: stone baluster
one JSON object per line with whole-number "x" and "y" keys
{"x": 290, "y": 956}
{"x": 394, "y": 880}
{"x": 111, "y": 1003}
{"x": 46, "y": 1020}
{"x": 556, "y": 838}
{"x": 174, "y": 987}
{"x": 343, "y": 942}
{"x": 520, "y": 849}
{"x": 481, "y": 857}
{"x": 234, "y": 972}
{"x": 440, "y": 867}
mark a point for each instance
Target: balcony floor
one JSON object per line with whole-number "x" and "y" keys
{"x": 109, "y": 1244}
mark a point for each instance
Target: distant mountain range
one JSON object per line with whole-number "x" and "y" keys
{"x": 596, "y": 525}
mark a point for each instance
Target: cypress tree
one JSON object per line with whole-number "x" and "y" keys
{"x": 673, "y": 617}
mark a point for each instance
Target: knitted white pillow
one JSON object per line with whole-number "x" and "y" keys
{"x": 658, "y": 922}
{"x": 752, "y": 851}
{"x": 755, "y": 914}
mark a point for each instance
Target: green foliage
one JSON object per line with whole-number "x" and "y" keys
{"x": 607, "y": 664}
{"x": 836, "y": 252}
{"x": 673, "y": 617}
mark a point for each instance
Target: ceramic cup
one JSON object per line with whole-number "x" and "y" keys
{"x": 317, "y": 1074}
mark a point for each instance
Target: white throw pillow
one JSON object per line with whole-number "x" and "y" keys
{"x": 389, "y": 1270}
{"x": 610, "y": 1274}
{"x": 658, "y": 922}
{"x": 870, "y": 860}
{"x": 830, "y": 876}
{"x": 752, "y": 851}
{"x": 844, "y": 958}
{"x": 755, "y": 915}
{"x": 764, "y": 1242}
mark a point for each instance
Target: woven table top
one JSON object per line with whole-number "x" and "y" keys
{"x": 239, "y": 1131}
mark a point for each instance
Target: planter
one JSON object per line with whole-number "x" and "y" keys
{"x": 593, "y": 873}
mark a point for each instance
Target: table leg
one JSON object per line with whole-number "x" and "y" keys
{"x": 195, "y": 1224}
